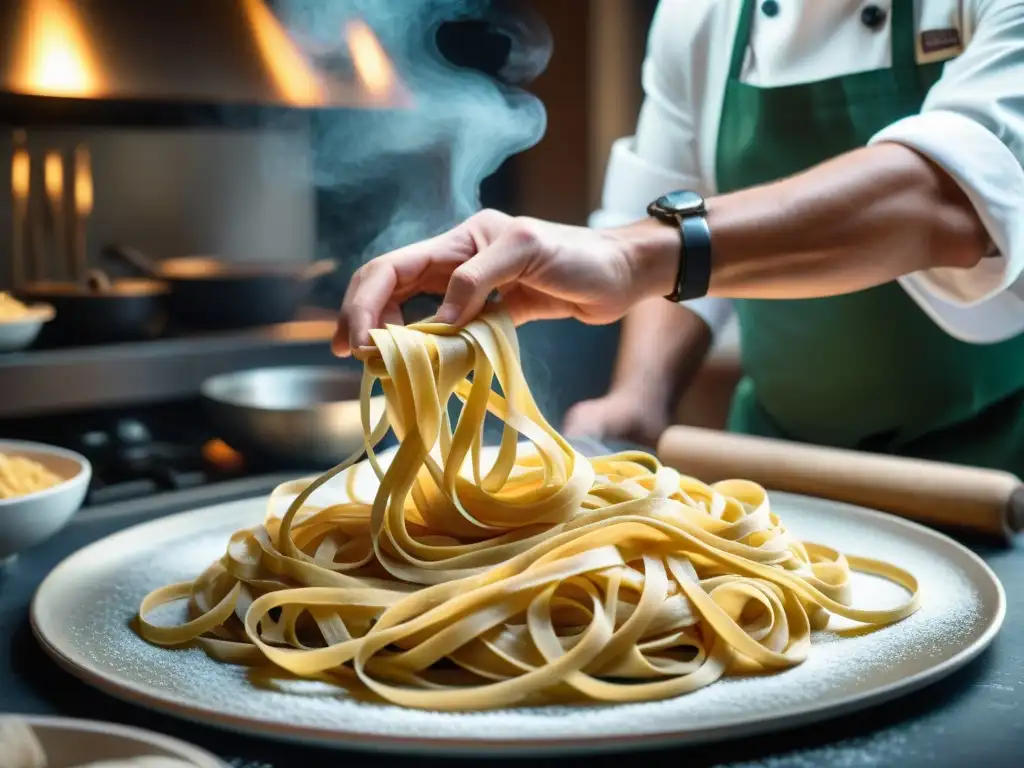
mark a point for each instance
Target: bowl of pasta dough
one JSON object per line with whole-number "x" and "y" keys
{"x": 58, "y": 742}
{"x": 20, "y": 324}
{"x": 41, "y": 487}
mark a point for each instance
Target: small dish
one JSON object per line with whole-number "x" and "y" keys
{"x": 32, "y": 518}
{"x": 19, "y": 332}
{"x": 67, "y": 742}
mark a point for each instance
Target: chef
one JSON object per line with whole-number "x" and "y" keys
{"x": 845, "y": 177}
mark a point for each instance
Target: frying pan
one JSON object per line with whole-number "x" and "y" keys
{"x": 297, "y": 416}
{"x": 99, "y": 312}
{"x": 207, "y": 294}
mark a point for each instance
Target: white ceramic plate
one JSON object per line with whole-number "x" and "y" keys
{"x": 68, "y": 742}
{"x": 82, "y": 611}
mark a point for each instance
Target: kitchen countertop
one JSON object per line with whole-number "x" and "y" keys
{"x": 974, "y": 717}
{"x": 116, "y": 375}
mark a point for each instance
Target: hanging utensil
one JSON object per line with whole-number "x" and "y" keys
{"x": 21, "y": 168}
{"x": 88, "y": 308}
{"x": 53, "y": 179}
{"x": 83, "y": 196}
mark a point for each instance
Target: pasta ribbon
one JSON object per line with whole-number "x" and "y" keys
{"x": 543, "y": 577}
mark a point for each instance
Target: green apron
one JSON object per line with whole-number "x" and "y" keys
{"x": 867, "y": 370}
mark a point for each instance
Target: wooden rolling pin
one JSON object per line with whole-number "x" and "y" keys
{"x": 945, "y": 495}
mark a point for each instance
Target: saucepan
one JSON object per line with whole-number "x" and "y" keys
{"x": 100, "y": 310}
{"x": 209, "y": 294}
{"x": 298, "y": 415}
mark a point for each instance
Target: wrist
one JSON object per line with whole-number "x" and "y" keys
{"x": 651, "y": 250}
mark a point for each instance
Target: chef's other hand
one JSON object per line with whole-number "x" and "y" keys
{"x": 619, "y": 415}
{"x": 542, "y": 270}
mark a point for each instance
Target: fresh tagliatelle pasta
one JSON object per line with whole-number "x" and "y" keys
{"x": 544, "y": 577}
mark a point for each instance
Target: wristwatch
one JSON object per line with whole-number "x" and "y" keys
{"x": 686, "y": 210}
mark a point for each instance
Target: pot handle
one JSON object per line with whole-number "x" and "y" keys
{"x": 134, "y": 258}
{"x": 97, "y": 281}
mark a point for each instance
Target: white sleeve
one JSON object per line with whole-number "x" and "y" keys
{"x": 972, "y": 125}
{"x": 662, "y": 155}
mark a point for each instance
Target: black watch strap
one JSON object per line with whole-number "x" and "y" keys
{"x": 694, "y": 276}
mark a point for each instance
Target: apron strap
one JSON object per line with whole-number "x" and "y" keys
{"x": 904, "y": 47}
{"x": 739, "y": 46}
{"x": 902, "y": 43}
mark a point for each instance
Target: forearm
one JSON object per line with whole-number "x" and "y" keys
{"x": 860, "y": 220}
{"x": 661, "y": 347}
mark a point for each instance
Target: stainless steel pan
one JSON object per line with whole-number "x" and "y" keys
{"x": 296, "y": 415}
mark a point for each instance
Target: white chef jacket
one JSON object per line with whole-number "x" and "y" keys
{"x": 971, "y": 124}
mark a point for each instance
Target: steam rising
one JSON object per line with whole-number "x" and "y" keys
{"x": 422, "y": 167}
{"x": 407, "y": 174}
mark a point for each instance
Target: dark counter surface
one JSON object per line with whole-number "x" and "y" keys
{"x": 974, "y": 717}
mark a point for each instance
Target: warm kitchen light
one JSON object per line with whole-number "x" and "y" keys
{"x": 83, "y": 182}
{"x": 53, "y": 174}
{"x": 294, "y": 78}
{"x": 55, "y": 59}
{"x": 368, "y": 57}
{"x": 20, "y": 174}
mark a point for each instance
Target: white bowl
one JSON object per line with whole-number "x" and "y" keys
{"x": 20, "y": 332}
{"x": 67, "y": 742}
{"x": 30, "y": 519}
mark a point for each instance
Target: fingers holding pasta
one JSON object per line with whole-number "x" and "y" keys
{"x": 542, "y": 270}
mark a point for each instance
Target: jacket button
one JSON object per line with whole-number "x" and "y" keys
{"x": 770, "y": 8}
{"x": 872, "y": 16}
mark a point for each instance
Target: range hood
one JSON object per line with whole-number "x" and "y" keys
{"x": 178, "y": 52}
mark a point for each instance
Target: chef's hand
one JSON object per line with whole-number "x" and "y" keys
{"x": 619, "y": 415}
{"x": 542, "y": 270}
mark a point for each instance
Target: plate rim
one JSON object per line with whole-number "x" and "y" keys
{"x": 737, "y": 727}
{"x": 203, "y": 758}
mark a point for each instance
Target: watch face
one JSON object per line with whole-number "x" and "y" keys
{"x": 681, "y": 202}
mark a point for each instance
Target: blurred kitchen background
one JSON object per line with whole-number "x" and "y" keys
{"x": 272, "y": 135}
